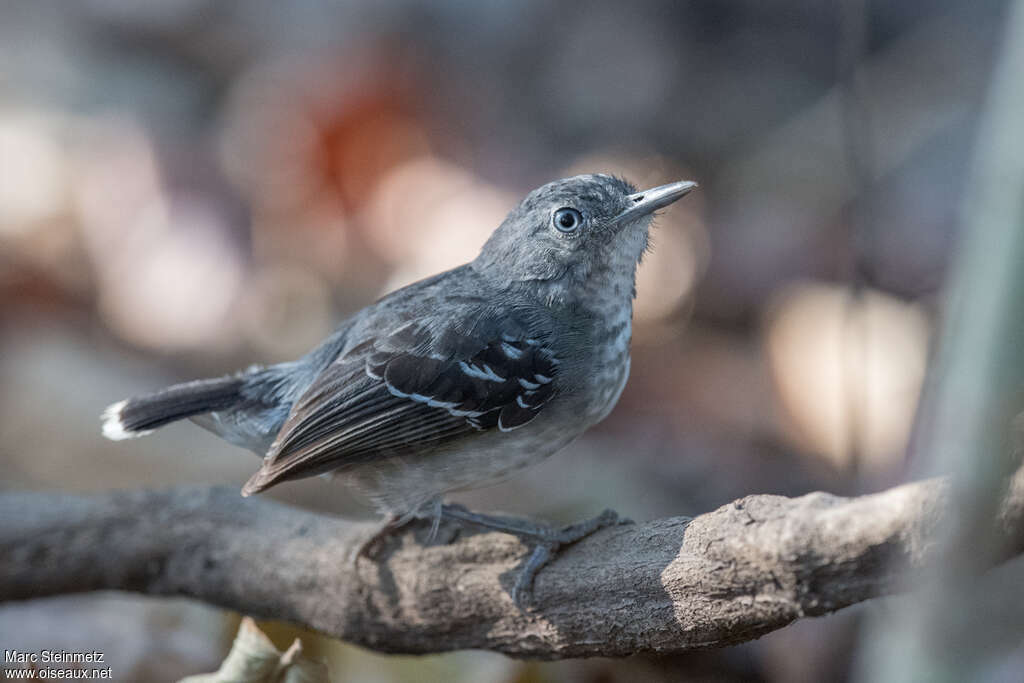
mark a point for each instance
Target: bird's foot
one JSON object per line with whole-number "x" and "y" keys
{"x": 388, "y": 526}
{"x": 546, "y": 541}
{"x": 394, "y": 523}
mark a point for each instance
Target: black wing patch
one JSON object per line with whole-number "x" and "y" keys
{"x": 407, "y": 393}
{"x": 503, "y": 385}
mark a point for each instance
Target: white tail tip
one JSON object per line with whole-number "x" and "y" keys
{"x": 113, "y": 427}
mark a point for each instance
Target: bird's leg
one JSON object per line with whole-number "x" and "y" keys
{"x": 546, "y": 540}
{"x": 389, "y": 525}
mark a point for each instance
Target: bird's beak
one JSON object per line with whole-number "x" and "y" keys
{"x": 649, "y": 201}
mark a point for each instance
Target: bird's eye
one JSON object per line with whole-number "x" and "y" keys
{"x": 567, "y": 220}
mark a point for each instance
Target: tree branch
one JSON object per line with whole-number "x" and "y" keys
{"x": 728, "y": 576}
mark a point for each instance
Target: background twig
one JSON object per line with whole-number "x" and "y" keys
{"x": 968, "y": 417}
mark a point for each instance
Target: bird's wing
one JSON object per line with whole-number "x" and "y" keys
{"x": 410, "y": 390}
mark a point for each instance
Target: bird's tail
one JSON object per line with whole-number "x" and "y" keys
{"x": 141, "y": 415}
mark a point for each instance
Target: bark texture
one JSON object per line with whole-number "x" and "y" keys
{"x": 666, "y": 586}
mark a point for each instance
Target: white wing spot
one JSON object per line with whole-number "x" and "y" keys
{"x": 511, "y": 351}
{"x": 465, "y": 413}
{"x": 503, "y": 428}
{"x": 523, "y": 404}
{"x": 432, "y": 402}
{"x": 485, "y": 372}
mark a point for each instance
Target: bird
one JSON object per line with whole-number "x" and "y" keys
{"x": 456, "y": 381}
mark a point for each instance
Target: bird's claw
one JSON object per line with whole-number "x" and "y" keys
{"x": 368, "y": 548}
{"x": 547, "y": 546}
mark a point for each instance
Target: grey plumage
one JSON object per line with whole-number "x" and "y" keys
{"x": 456, "y": 380}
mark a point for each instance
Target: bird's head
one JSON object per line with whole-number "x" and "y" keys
{"x": 576, "y": 237}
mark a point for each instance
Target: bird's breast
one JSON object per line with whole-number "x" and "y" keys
{"x": 610, "y": 363}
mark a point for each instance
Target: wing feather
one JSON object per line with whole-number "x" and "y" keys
{"x": 410, "y": 391}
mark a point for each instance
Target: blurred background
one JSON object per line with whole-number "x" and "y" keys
{"x": 191, "y": 186}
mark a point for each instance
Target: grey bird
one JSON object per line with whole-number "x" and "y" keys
{"x": 455, "y": 381}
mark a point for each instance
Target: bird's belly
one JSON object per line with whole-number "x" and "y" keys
{"x": 608, "y": 383}
{"x": 609, "y": 368}
{"x": 401, "y": 485}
